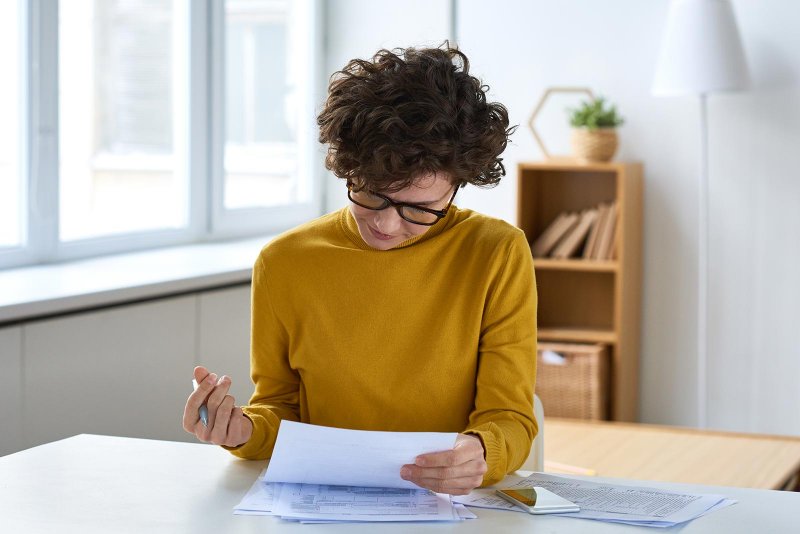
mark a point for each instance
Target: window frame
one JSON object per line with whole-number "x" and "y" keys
{"x": 21, "y": 122}
{"x": 227, "y": 222}
{"x": 203, "y": 110}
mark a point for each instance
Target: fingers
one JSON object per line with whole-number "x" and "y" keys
{"x": 191, "y": 414}
{"x": 457, "y": 471}
{"x": 456, "y": 456}
{"x": 471, "y": 469}
{"x": 219, "y": 431}
{"x": 456, "y": 486}
{"x": 215, "y": 399}
{"x": 466, "y": 448}
{"x": 213, "y": 392}
{"x": 200, "y": 373}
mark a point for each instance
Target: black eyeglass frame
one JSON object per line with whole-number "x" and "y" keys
{"x": 440, "y": 214}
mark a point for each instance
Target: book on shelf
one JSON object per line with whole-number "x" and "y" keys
{"x": 553, "y": 234}
{"x": 572, "y": 242}
{"x": 589, "y": 234}
{"x": 605, "y": 241}
{"x": 591, "y": 241}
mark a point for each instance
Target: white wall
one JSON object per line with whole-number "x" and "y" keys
{"x": 755, "y": 229}
{"x": 522, "y": 47}
{"x": 359, "y": 28}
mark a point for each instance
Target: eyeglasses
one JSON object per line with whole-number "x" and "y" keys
{"x": 412, "y": 213}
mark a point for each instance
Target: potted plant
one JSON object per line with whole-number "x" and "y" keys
{"x": 594, "y": 134}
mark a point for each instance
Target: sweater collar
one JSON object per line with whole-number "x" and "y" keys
{"x": 350, "y": 228}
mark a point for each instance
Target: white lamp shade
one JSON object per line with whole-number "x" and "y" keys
{"x": 701, "y": 51}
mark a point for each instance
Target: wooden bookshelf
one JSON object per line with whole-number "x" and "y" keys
{"x": 577, "y": 265}
{"x": 577, "y": 335}
{"x": 590, "y": 301}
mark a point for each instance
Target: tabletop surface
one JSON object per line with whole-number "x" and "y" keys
{"x": 672, "y": 454}
{"x": 91, "y": 483}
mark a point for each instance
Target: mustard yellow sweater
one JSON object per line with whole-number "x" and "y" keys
{"x": 438, "y": 334}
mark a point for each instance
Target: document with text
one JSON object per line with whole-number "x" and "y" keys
{"x": 345, "y": 503}
{"x": 615, "y": 503}
{"x": 322, "y": 474}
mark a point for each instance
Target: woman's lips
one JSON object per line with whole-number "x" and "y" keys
{"x": 379, "y": 235}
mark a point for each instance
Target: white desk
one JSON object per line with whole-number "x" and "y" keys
{"x": 106, "y": 484}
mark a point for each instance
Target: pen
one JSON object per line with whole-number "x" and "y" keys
{"x": 203, "y": 407}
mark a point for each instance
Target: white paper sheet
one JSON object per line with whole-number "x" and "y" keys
{"x": 464, "y": 512}
{"x": 614, "y": 503}
{"x": 345, "y": 503}
{"x": 312, "y": 454}
{"x": 486, "y": 498}
{"x": 258, "y": 500}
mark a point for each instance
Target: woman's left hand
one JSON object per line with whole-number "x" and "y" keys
{"x": 457, "y": 471}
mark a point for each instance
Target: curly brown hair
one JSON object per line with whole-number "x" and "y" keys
{"x": 411, "y": 112}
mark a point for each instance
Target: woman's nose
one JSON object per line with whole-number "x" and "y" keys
{"x": 388, "y": 221}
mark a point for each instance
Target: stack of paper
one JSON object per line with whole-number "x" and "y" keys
{"x": 329, "y": 474}
{"x": 325, "y": 503}
{"x": 614, "y": 503}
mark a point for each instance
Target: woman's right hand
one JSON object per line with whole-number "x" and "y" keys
{"x": 227, "y": 424}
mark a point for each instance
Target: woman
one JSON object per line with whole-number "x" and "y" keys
{"x": 400, "y": 312}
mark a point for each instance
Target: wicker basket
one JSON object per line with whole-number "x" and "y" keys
{"x": 578, "y": 386}
{"x": 594, "y": 145}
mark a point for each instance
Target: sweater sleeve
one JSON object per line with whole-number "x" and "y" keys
{"x": 503, "y": 415}
{"x": 277, "y": 385}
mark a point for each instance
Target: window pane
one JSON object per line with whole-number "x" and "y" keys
{"x": 122, "y": 87}
{"x": 265, "y": 45}
{"x": 11, "y": 127}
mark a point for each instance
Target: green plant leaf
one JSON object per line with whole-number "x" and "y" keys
{"x": 595, "y": 114}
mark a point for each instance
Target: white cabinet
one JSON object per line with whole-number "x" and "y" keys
{"x": 224, "y": 334}
{"x": 122, "y": 371}
{"x": 11, "y": 391}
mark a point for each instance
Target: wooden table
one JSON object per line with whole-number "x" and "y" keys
{"x": 673, "y": 454}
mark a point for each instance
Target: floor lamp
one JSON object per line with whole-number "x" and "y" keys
{"x": 701, "y": 53}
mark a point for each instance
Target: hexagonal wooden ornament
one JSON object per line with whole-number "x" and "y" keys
{"x": 549, "y": 91}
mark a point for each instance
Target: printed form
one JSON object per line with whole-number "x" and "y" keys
{"x": 614, "y": 503}
{"x": 323, "y": 474}
{"x": 342, "y": 503}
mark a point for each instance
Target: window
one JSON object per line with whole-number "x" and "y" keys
{"x": 260, "y": 111}
{"x": 154, "y": 122}
{"x": 120, "y": 127}
{"x": 11, "y": 127}
{"x": 267, "y": 109}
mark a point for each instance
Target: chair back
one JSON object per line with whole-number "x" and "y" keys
{"x": 535, "y": 461}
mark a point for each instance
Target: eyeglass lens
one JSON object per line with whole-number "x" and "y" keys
{"x": 368, "y": 200}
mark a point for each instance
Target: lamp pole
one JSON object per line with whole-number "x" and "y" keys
{"x": 701, "y": 53}
{"x": 702, "y": 270}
